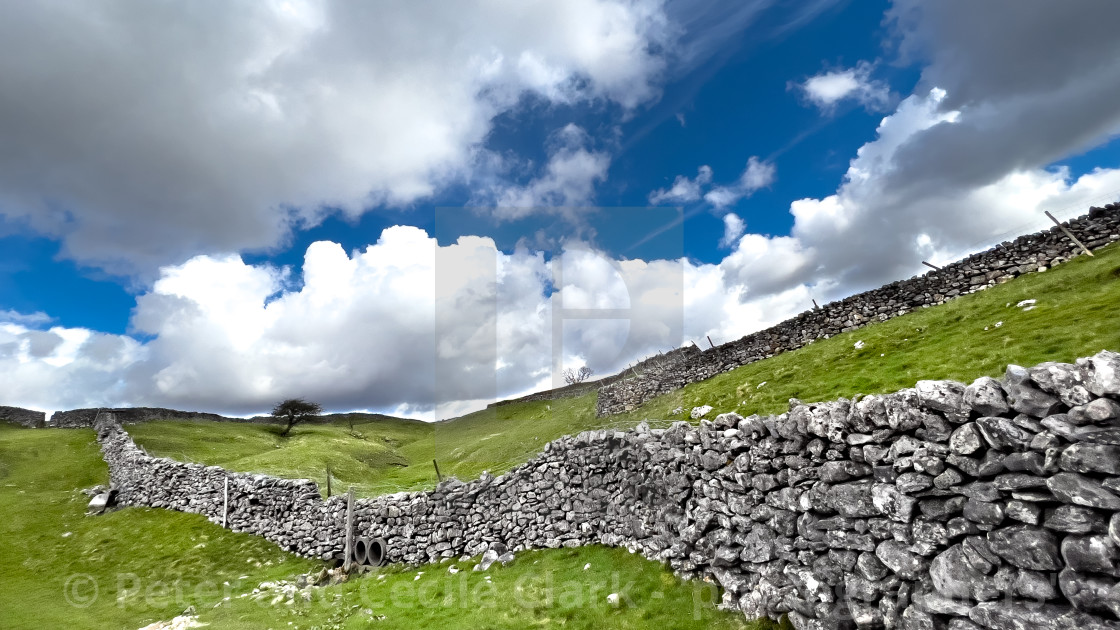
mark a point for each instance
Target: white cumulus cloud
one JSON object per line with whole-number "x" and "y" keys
{"x": 141, "y": 135}
{"x": 827, "y": 89}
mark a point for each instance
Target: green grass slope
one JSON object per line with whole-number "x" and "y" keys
{"x": 380, "y": 456}
{"x": 1076, "y": 314}
{"x": 62, "y": 569}
{"x": 126, "y": 569}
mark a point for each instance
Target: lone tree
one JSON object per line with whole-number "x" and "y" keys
{"x": 572, "y": 378}
{"x": 294, "y": 411}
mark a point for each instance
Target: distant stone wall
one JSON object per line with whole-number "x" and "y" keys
{"x": 649, "y": 364}
{"x": 83, "y": 418}
{"x": 944, "y": 506}
{"x": 1096, "y": 229}
{"x": 25, "y": 417}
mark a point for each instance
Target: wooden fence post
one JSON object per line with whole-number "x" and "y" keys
{"x": 349, "y": 547}
{"x": 328, "y": 482}
{"x": 1068, "y": 233}
{"x": 438, "y": 476}
{"x": 931, "y": 266}
{"x": 225, "y": 503}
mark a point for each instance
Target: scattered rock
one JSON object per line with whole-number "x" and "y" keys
{"x": 700, "y": 412}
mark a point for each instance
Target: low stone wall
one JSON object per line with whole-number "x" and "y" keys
{"x": 653, "y": 364}
{"x": 83, "y": 418}
{"x": 993, "y": 505}
{"x": 24, "y": 417}
{"x": 1096, "y": 229}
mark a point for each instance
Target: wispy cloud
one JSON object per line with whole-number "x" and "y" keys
{"x": 37, "y": 318}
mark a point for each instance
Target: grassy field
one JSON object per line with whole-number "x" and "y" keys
{"x": 151, "y": 564}
{"x": 62, "y": 569}
{"x": 125, "y": 569}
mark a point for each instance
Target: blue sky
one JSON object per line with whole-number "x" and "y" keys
{"x": 167, "y": 210}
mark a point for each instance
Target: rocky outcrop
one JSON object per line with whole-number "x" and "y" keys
{"x": 1025, "y": 254}
{"x": 994, "y": 504}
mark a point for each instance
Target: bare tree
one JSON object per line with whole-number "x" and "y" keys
{"x": 294, "y": 411}
{"x": 572, "y": 377}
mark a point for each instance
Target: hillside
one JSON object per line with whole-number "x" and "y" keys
{"x": 979, "y": 334}
{"x": 40, "y": 471}
{"x": 126, "y": 569}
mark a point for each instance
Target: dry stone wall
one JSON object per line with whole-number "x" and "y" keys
{"x": 653, "y": 364}
{"x": 1096, "y": 229}
{"x": 24, "y": 417}
{"x": 83, "y": 418}
{"x": 944, "y": 506}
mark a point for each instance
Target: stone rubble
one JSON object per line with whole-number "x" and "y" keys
{"x": 992, "y": 505}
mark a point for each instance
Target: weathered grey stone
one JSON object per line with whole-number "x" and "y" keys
{"x": 938, "y": 604}
{"x": 966, "y": 439}
{"x": 1026, "y": 547}
{"x": 914, "y": 618}
{"x": 941, "y": 509}
{"x": 758, "y": 545}
{"x": 865, "y": 615}
{"x": 955, "y": 578}
{"x": 947, "y": 479}
{"x": 1024, "y": 397}
{"x": 1020, "y": 615}
{"x": 1002, "y": 433}
{"x": 1059, "y": 424}
{"x": 902, "y": 410}
{"x": 1062, "y": 380}
{"x": 913, "y": 482}
{"x": 981, "y": 491}
{"x": 944, "y": 396}
{"x": 1024, "y": 512}
{"x": 1089, "y": 593}
{"x": 1091, "y": 458}
{"x": 892, "y": 503}
{"x": 983, "y": 512}
{"x": 898, "y": 559}
{"x": 1081, "y": 490}
{"x": 1033, "y": 462}
{"x": 1102, "y": 373}
{"x": 978, "y": 553}
{"x": 1092, "y": 554}
{"x": 99, "y": 503}
{"x": 985, "y": 396}
{"x": 1095, "y": 411}
{"x": 726, "y": 556}
{"x": 860, "y": 588}
{"x": 1075, "y": 519}
{"x": 1100, "y": 436}
{"x": 1018, "y": 481}
{"x": 1034, "y": 586}
{"x": 870, "y": 567}
{"x": 852, "y": 499}
{"x": 959, "y": 526}
{"x": 960, "y": 623}
{"x": 930, "y": 464}
{"x": 838, "y": 471}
